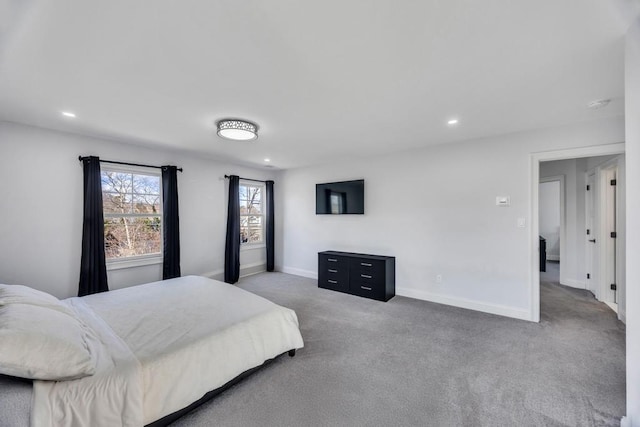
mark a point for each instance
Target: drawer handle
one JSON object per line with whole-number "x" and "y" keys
{"x": 332, "y": 260}
{"x": 333, "y": 271}
{"x": 365, "y": 288}
{"x": 366, "y": 264}
{"x": 332, "y": 281}
{"x": 366, "y": 276}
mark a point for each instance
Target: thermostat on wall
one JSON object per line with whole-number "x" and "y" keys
{"x": 503, "y": 201}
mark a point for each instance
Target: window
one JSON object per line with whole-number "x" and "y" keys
{"x": 132, "y": 206}
{"x": 251, "y": 214}
{"x": 338, "y": 202}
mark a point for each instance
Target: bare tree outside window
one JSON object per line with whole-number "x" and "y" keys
{"x": 132, "y": 209}
{"x": 251, "y": 214}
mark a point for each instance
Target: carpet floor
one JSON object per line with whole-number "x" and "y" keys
{"x": 414, "y": 363}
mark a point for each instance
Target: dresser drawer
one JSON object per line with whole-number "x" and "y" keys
{"x": 333, "y": 273}
{"x": 367, "y": 289}
{"x": 335, "y": 284}
{"x": 336, "y": 268}
{"x": 368, "y": 270}
{"x": 327, "y": 262}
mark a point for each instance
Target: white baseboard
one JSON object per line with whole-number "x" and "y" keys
{"x": 299, "y": 272}
{"x": 245, "y": 270}
{"x": 551, "y": 257}
{"x": 441, "y": 299}
{"x": 215, "y": 274}
{"x": 622, "y": 316}
{"x": 574, "y": 283}
{"x": 500, "y": 310}
{"x": 251, "y": 269}
{"x": 625, "y": 422}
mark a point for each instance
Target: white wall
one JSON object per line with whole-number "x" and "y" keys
{"x": 41, "y": 209}
{"x": 434, "y": 210}
{"x": 549, "y": 213}
{"x": 632, "y": 112}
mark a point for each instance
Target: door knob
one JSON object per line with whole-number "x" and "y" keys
{"x": 592, "y": 240}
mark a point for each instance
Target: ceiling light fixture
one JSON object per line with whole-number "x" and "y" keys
{"x": 68, "y": 114}
{"x": 600, "y": 103}
{"x": 238, "y": 130}
{"x": 267, "y": 160}
{"x": 452, "y": 122}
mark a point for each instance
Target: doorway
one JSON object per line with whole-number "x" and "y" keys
{"x": 552, "y": 227}
{"x": 576, "y": 261}
{"x": 578, "y": 224}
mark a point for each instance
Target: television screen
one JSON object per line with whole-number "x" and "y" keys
{"x": 336, "y": 198}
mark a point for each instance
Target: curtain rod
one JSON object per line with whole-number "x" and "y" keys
{"x": 247, "y": 179}
{"x": 128, "y": 164}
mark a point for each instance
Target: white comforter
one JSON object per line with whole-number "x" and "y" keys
{"x": 162, "y": 346}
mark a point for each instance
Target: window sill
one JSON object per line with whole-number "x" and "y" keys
{"x": 248, "y": 247}
{"x": 133, "y": 262}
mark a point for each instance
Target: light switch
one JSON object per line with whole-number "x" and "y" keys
{"x": 522, "y": 222}
{"x": 503, "y": 201}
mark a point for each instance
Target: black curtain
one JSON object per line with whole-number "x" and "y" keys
{"x": 232, "y": 246}
{"x": 93, "y": 267}
{"x": 270, "y": 225}
{"x": 171, "y": 223}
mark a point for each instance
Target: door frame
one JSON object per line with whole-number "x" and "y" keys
{"x": 592, "y": 284}
{"x": 608, "y": 214}
{"x": 607, "y": 221}
{"x": 534, "y": 244}
{"x": 562, "y": 234}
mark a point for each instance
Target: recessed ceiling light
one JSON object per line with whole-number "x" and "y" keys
{"x": 452, "y": 122}
{"x": 267, "y": 160}
{"x": 238, "y": 130}
{"x": 600, "y": 103}
{"x": 68, "y": 114}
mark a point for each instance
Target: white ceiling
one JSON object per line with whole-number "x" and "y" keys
{"x": 322, "y": 79}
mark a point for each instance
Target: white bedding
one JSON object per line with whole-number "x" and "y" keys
{"x": 112, "y": 396}
{"x": 170, "y": 342}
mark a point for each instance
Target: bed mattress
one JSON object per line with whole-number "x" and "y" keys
{"x": 175, "y": 340}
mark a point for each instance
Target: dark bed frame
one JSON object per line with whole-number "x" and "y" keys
{"x": 166, "y": 420}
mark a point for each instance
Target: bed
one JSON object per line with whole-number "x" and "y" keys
{"x": 153, "y": 350}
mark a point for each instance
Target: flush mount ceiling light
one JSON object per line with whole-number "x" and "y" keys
{"x": 68, "y": 114}
{"x": 600, "y": 103}
{"x": 452, "y": 122}
{"x": 238, "y": 130}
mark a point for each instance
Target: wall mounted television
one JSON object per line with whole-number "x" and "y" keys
{"x": 339, "y": 198}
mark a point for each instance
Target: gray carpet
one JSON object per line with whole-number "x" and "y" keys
{"x": 414, "y": 363}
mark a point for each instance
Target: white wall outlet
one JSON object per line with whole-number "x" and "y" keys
{"x": 522, "y": 222}
{"x": 439, "y": 278}
{"x": 503, "y": 201}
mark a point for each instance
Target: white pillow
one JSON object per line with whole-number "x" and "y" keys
{"x": 18, "y": 294}
{"x": 39, "y": 343}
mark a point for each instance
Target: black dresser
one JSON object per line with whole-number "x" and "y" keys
{"x": 370, "y": 276}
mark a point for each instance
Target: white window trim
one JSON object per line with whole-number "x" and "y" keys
{"x": 137, "y": 261}
{"x": 140, "y": 260}
{"x": 248, "y": 246}
{"x": 251, "y": 246}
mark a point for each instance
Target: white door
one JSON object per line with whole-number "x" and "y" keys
{"x": 591, "y": 233}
